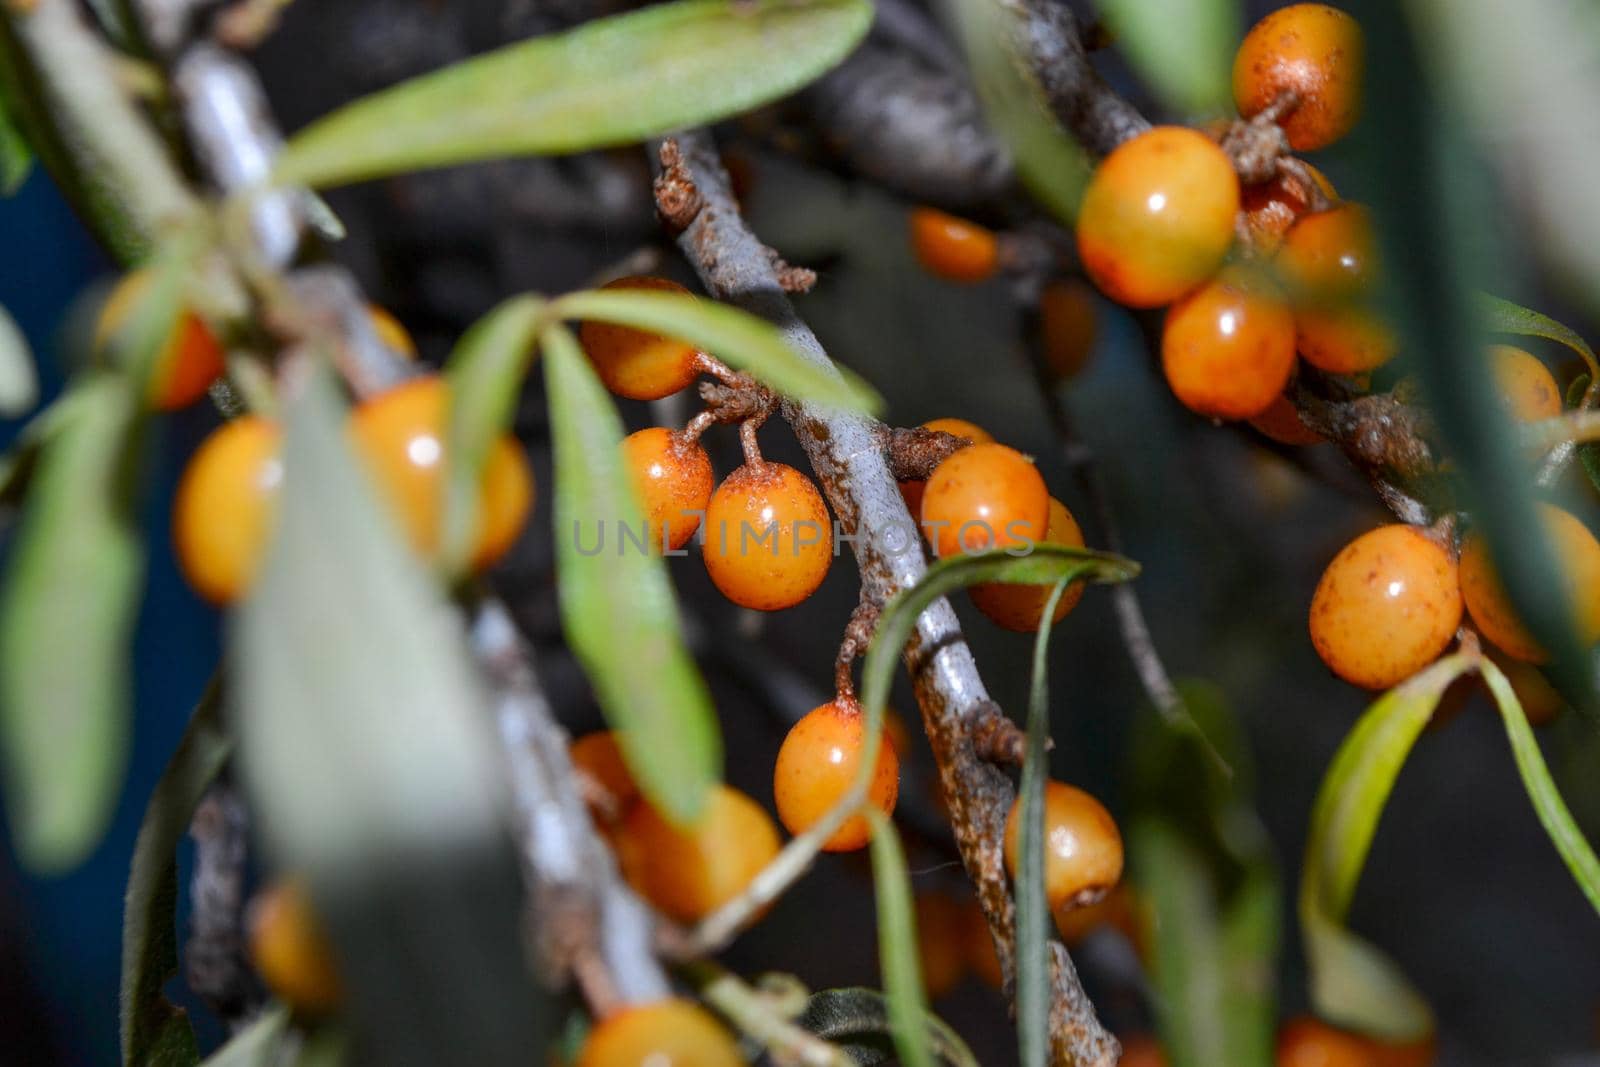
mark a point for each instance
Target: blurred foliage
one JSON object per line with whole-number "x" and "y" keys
{"x": 1183, "y": 48}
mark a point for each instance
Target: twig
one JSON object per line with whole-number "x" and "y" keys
{"x": 755, "y": 1013}
{"x": 214, "y": 958}
{"x": 1091, "y": 110}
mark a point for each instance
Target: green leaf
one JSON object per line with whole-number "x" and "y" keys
{"x": 1353, "y": 983}
{"x": 259, "y": 1044}
{"x": 1557, "y": 821}
{"x": 154, "y": 1031}
{"x": 19, "y": 385}
{"x": 1033, "y": 909}
{"x": 897, "y": 944}
{"x": 857, "y": 1020}
{"x": 485, "y": 373}
{"x": 612, "y": 81}
{"x": 1183, "y": 48}
{"x": 617, "y": 604}
{"x": 1502, "y": 316}
{"x": 66, "y": 621}
{"x": 738, "y": 338}
{"x": 16, "y": 158}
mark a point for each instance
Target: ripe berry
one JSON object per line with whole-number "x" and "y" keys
{"x": 912, "y": 489}
{"x": 1019, "y": 607}
{"x": 1329, "y": 260}
{"x": 598, "y": 756}
{"x": 636, "y": 364}
{"x": 688, "y": 872}
{"x": 1082, "y": 847}
{"x": 1115, "y": 910}
{"x": 394, "y": 336}
{"x": 979, "y": 946}
{"x": 290, "y": 952}
{"x": 1308, "y": 1042}
{"x": 1157, "y": 217}
{"x": 943, "y": 957}
{"x": 1577, "y": 555}
{"x": 768, "y": 539}
{"x": 1228, "y": 347}
{"x": 190, "y": 359}
{"x": 816, "y": 766}
{"x": 668, "y": 1033}
{"x": 401, "y": 434}
{"x": 1142, "y": 1050}
{"x": 1541, "y": 702}
{"x": 1281, "y": 422}
{"x": 672, "y": 476}
{"x": 1313, "y": 51}
{"x": 1066, "y": 326}
{"x": 1269, "y": 208}
{"x": 985, "y": 496}
{"x": 222, "y": 516}
{"x": 1387, "y": 605}
{"x": 951, "y": 248}
{"x": 1527, "y": 388}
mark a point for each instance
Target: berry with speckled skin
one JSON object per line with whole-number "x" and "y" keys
{"x": 690, "y": 871}
{"x": 635, "y": 363}
{"x": 1269, "y": 208}
{"x": 1329, "y": 262}
{"x": 673, "y": 478}
{"x": 1158, "y": 216}
{"x": 1082, "y": 846}
{"x": 1527, "y": 388}
{"x": 1387, "y": 605}
{"x": 290, "y": 951}
{"x": 190, "y": 359}
{"x": 911, "y": 488}
{"x": 768, "y": 539}
{"x": 1577, "y": 556}
{"x": 668, "y": 1033}
{"x": 952, "y": 248}
{"x": 1019, "y": 607}
{"x": 818, "y": 763}
{"x": 985, "y": 496}
{"x": 1314, "y": 51}
{"x": 1228, "y": 347}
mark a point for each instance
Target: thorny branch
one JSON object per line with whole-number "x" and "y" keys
{"x": 214, "y": 956}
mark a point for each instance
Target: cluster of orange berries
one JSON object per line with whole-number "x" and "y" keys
{"x": 1307, "y": 1042}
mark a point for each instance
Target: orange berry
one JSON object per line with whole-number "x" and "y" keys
{"x": 1066, "y": 326}
{"x": 1541, "y": 702}
{"x": 979, "y": 946}
{"x": 1269, "y": 208}
{"x": 668, "y": 1033}
{"x": 1410, "y": 1054}
{"x": 394, "y": 336}
{"x": 1228, "y": 347}
{"x": 401, "y": 434}
{"x": 1157, "y": 218}
{"x": 1019, "y": 607}
{"x": 636, "y": 364}
{"x": 1313, "y": 51}
{"x": 1577, "y": 555}
{"x": 960, "y": 428}
{"x": 688, "y": 872}
{"x": 1308, "y": 1042}
{"x": 768, "y": 540}
{"x": 1281, "y": 422}
{"x": 816, "y": 766}
{"x": 1116, "y": 910}
{"x": 290, "y": 952}
{"x": 1142, "y": 1050}
{"x": 951, "y": 248}
{"x": 1527, "y": 388}
{"x": 223, "y": 514}
{"x": 673, "y": 478}
{"x": 911, "y": 489}
{"x": 1082, "y": 847}
{"x": 1387, "y": 605}
{"x": 985, "y": 496}
{"x": 598, "y": 756}
{"x": 190, "y": 359}
{"x": 944, "y": 957}
{"x": 1330, "y": 263}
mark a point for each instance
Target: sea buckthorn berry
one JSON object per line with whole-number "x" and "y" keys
{"x": 1541, "y": 702}
{"x": 672, "y": 475}
{"x": 1082, "y": 847}
{"x": 816, "y": 766}
{"x": 1019, "y": 607}
{"x": 1420, "y": 1053}
{"x": 190, "y": 359}
{"x": 1142, "y": 1050}
{"x": 1577, "y": 555}
{"x": 943, "y": 956}
{"x": 598, "y": 756}
{"x": 1228, "y": 347}
{"x": 1330, "y": 263}
{"x": 688, "y": 872}
{"x": 668, "y": 1033}
{"x": 768, "y": 540}
{"x": 401, "y": 434}
{"x": 979, "y": 946}
{"x": 223, "y": 514}
{"x": 290, "y": 952}
{"x": 951, "y": 248}
{"x": 1115, "y": 910}
{"x": 1269, "y": 208}
{"x": 1527, "y": 388}
{"x": 1281, "y": 422}
{"x": 637, "y": 364}
{"x": 1157, "y": 217}
{"x": 1313, "y": 51}
{"x": 1066, "y": 326}
{"x": 911, "y": 489}
{"x": 985, "y": 496}
{"x": 394, "y": 336}
{"x": 1387, "y": 605}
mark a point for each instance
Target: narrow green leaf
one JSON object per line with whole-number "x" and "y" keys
{"x": 612, "y": 81}
{"x": 1502, "y": 316}
{"x": 897, "y": 944}
{"x": 1033, "y": 909}
{"x": 485, "y": 373}
{"x": 1183, "y": 48}
{"x": 259, "y": 1044}
{"x": 1353, "y": 983}
{"x": 617, "y": 604}
{"x": 857, "y": 1020}
{"x": 66, "y": 620}
{"x": 738, "y": 338}
{"x": 1557, "y": 821}
{"x": 154, "y": 1031}
{"x": 19, "y": 385}
{"x": 16, "y": 158}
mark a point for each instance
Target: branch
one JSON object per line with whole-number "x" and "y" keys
{"x": 1052, "y": 42}
{"x": 847, "y": 455}
{"x": 214, "y": 956}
